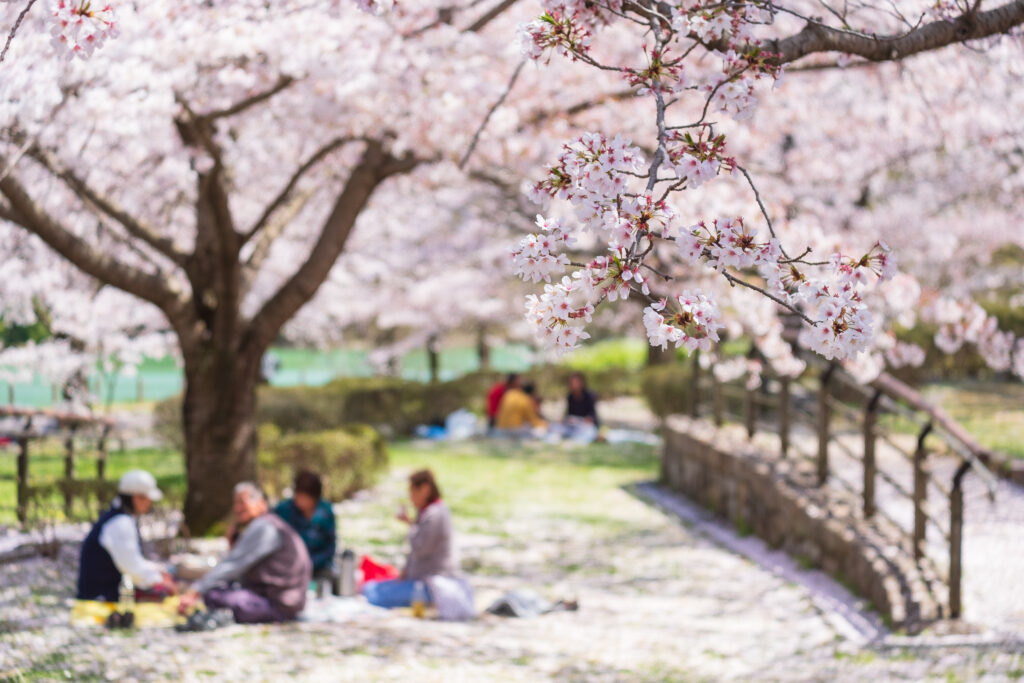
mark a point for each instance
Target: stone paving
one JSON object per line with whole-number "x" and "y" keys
{"x": 659, "y": 601}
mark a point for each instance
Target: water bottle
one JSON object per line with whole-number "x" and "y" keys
{"x": 419, "y": 600}
{"x": 126, "y": 596}
{"x": 347, "y": 569}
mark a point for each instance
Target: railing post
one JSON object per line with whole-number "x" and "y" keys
{"x": 920, "y": 493}
{"x": 694, "y": 396}
{"x": 101, "y": 453}
{"x": 717, "y": 399}
{"x": 824, "y": 415}
{"x": 956, "y": 525}
{"x": 140, "y": 389}
{"x": 870, "y": 420}
{"x": 10, "y": 393}
{"x": 22, "y": 475}
{"x": 69, "y": 471}
{"x": 750, "y": 412}
{"x": 784, "y": 416}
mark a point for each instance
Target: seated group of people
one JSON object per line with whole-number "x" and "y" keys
{"x": 513, "y": 407}
{"x": 273, "y": 555}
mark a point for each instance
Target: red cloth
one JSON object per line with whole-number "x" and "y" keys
{"x": 494, "y": 398}
{"x": 373, "y": 571}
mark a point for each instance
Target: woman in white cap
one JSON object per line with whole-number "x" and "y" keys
{"x": 114, "y": 548}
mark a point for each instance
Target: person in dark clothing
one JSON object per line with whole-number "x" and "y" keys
{"x": 113, "y": 547}
{"x": 582, "y": 402}
{"x": 312, "y": 517}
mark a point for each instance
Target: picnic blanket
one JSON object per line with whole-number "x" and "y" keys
{"x": 147, "y": 614}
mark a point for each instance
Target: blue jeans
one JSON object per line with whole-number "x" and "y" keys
{"x": 394, "y": 593}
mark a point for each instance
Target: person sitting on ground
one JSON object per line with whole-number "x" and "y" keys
{"x": 312, "y": 518}
{"x": 582, "y": 402}
{"x": 431, "y": 550}
{"x": 265, "y": 575}
{"x": 518, "y": 410}
{"x": 113, "y": 546}
{"x": 495, "y": 394}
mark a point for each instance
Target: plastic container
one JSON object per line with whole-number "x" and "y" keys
{"x": 419, "y": 600}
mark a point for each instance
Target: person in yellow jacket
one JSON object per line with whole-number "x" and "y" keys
{"x": 518, "y": 411}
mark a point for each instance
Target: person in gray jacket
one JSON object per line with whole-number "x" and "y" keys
{"x": 431, "y": 550}
{"x": 265, "y": 575}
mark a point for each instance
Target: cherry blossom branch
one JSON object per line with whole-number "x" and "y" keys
{"x": 733, "y": 280}
{"x": 154, "y": 288}
{"x": 816, "y": 37}
{"x": 285, "y": 194}
{"x": 490, "y": 113}
{"x": 14, "y": 29}
{"x": 490, "y": 15}
{"x": 104, "y": 205}
{"x": 282, "y": 83}
{"x": 373, "y": 168}
{"x": 760, "y": 204}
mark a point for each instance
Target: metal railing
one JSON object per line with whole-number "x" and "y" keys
{"x": 825, "y": 396}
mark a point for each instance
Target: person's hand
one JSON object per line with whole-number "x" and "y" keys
{"x": 167, "y": 581}
{"x": 188, "y": 601}
{"x": 230, "y": 531}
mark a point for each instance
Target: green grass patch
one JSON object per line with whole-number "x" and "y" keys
{"x": 992, "y": 411}
{"x": 46, "y": 467}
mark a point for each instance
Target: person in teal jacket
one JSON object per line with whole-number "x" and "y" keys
{"x": 312, "y": 517}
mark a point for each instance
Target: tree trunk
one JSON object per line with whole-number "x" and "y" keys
{"x": 433, "y": 359}
{"x": 483, "y": 349}
{"x": 659, "y": 356}
{"x": 220, "y": 432}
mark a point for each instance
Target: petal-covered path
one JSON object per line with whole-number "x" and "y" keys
{"x": 659, "y": 601}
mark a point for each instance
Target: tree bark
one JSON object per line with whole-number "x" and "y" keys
{"x": 219, "y": 414}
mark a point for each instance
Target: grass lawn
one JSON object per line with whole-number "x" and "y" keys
{"x": 485, "y": 478}
{"x": 485, "y": 482}
{"x": 46, "y": 465}
{"x": 993, "y": 412}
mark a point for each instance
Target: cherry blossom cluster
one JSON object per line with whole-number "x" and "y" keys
{"x": 962, "y": 322}
{"x": 690, "y": 320}
{"x": 559, "y": 314}
{"x": 877, "y": 262}
{"x": 554, "y": 32}
{"x": 81, "y": 26}
{"x": 727, "y": 243}
{"x": 697, "y": 159}
{"x": 592, "y": 171}
{"x": 661, "y": 73}
{"x": 535, "y": 259}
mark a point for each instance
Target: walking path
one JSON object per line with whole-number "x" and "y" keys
{"x": 659, "y": 600}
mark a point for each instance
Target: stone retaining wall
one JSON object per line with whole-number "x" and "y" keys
{"x": 777, "y": 500}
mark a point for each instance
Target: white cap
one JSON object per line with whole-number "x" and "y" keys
{"x": 141, "y": 483}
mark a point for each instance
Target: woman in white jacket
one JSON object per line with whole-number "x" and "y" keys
{"x": 113, "y": 547}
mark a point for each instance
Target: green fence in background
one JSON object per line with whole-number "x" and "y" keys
{"x": 158, "y": 379}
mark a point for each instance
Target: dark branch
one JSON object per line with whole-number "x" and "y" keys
{"x": 282, "y": 83}
{"x": 816, "y": 37}
{"x": 104, "y": 205}
{"x": 283, "y": 196}
{"x": 24, "y": 211}
{"x": 490, "y": 15}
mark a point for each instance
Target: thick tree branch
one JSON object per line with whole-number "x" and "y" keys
{"x": 106, "y": 206}
{"x": 373, "y": 168}
{"x": 266, "y": 238}
{"x": 285, "y": 194}
{"x": 24, "y": 211}
{"x": 816, "y": 37}
{"x": 237, "y": 108}
{"x": 490, "y": 15}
